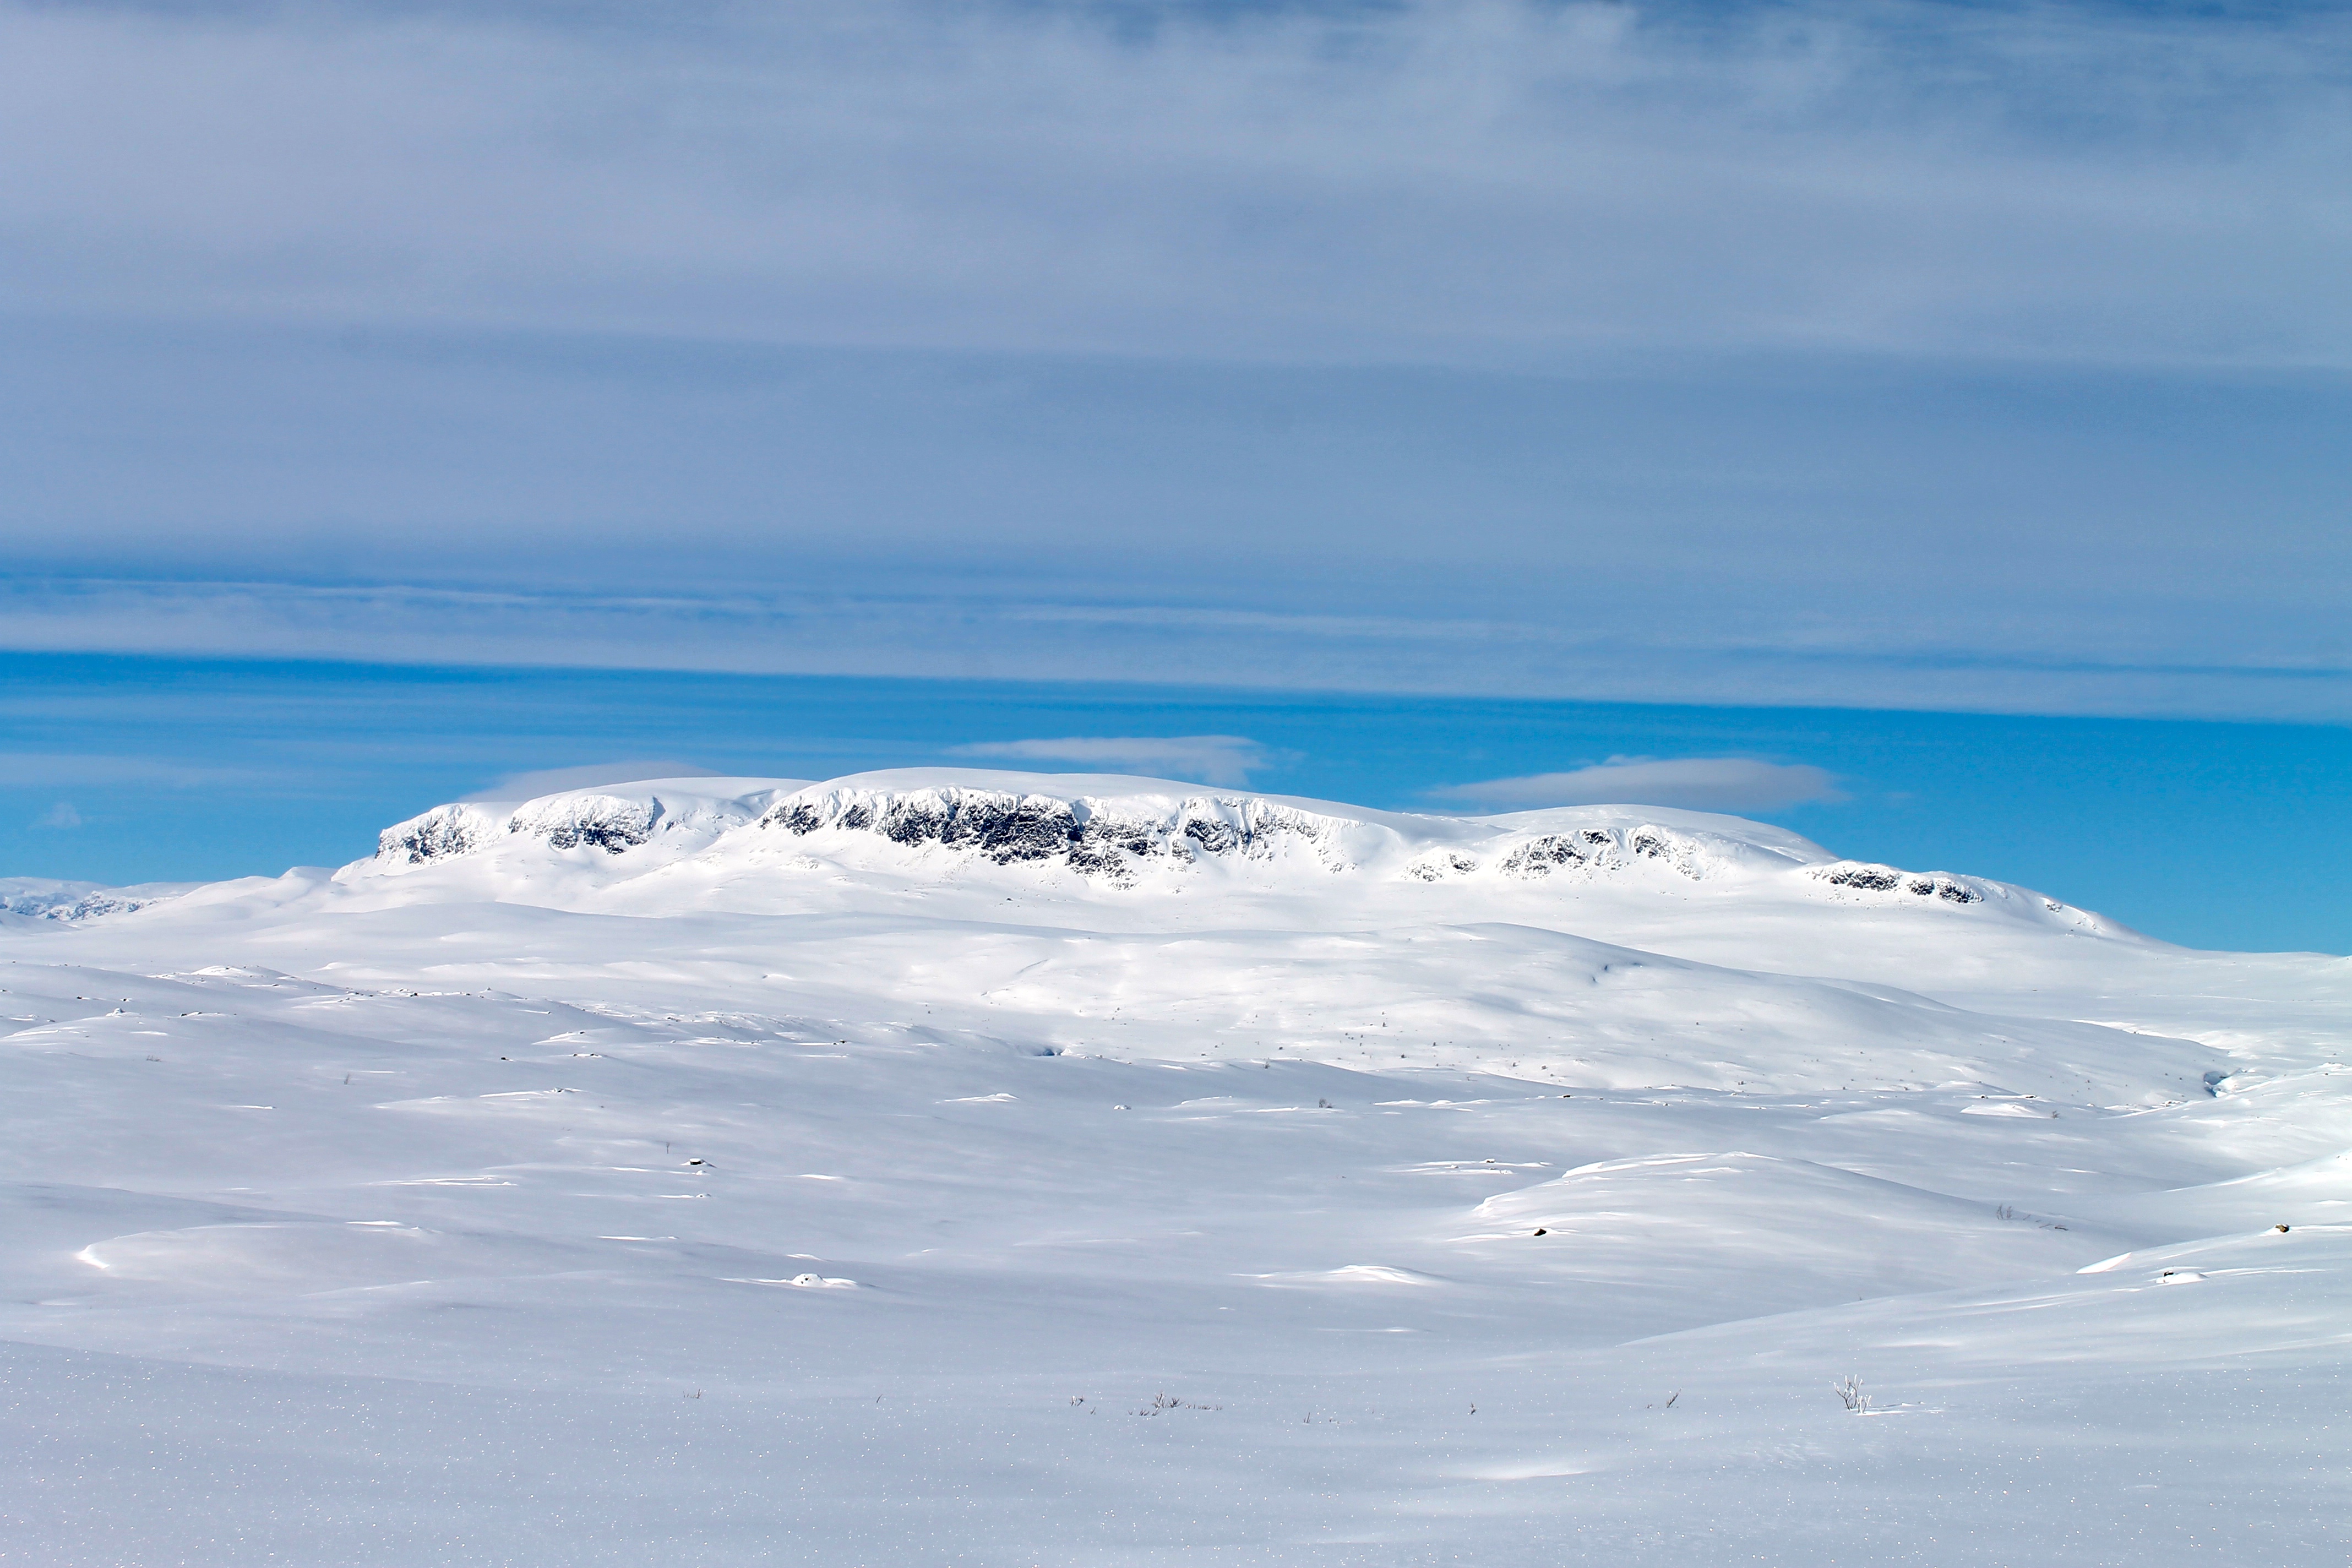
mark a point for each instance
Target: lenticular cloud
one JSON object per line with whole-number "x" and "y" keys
{"x": 1702, "y": 784}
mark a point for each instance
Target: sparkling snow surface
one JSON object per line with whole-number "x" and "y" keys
{"x": 994, "y": 1169}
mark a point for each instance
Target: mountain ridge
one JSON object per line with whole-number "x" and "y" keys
{"x": 1118, "y": 831}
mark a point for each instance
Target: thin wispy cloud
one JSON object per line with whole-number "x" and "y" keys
{"x": 1636, "y": 351}
{"x": 1872, "y": 659}
{"x": 587, "y": 775}
{"x": 1694, "y": 783}
{"x": 60, "y": 815}
{"x": 1490, "y": 182}
{"x": 54, "y": 769}
{"x": 1209, "y": 759}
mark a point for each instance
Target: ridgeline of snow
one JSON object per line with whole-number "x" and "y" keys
{"x": 613, "y": 819}
{"x": 1010, "y": 1168}
{"x": 1110, "y": 830}
{"x": 1086, "y": 835}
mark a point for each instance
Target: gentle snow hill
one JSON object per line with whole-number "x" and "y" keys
{"x": 1142, "y": 918}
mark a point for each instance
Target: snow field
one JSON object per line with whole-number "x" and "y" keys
{"x": 546, "y": 1205}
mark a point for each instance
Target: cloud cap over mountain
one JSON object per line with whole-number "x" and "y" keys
{"x": 1212, "y": 759}
{"x": 1694, "y": 783}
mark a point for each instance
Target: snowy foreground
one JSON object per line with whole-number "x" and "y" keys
{"x": 1010, "y": 1170}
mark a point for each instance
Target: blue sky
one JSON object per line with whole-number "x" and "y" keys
{"x": 1895, "y": 357}
{"x": 2206, "y": 833}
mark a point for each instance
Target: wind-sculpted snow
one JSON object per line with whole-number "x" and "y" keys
{"x": 1011, "y": 1169}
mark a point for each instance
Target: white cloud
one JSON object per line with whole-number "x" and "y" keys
{"x": 531, "y": 200}
{"x": 1696, "y": 784}
{"x": 61, "y": 815}
{"x": 1443, "y": 181}
{"x": 68, "y": 770}
{"x": 1211, "y": 759}
{"x": 593, "y": 775}
{"x": 2050, "y": 665}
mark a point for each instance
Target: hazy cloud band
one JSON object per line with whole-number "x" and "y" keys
{"x": 1483, "y": 183}
{"x": 1697, "y": 783}
{"x": 1212, "y": 759}
{"x": 1868, "y": 664}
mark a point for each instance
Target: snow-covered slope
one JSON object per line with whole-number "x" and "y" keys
{"x": 1003, "y": 1168}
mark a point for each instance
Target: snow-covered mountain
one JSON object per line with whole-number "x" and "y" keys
{"x": 1078, "y": 834}
{"x": 1112, "y": 1170}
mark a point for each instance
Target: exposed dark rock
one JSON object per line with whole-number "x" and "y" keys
{"x": 914, "y": 822}
{"x": 1011, "y": 829}
{"x": 1027, "y": 829}
{"x": 613, "y": 837}
{"x": 600, "y": 822}
{"x": 1216, "y": 837}
{"x": 1888, "y": 879}
{"x": 1601, "y": 849}
{"x": 443, "y": 831}
{"x": 1541, "y": 857}
{"x": 800, "y": 816}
